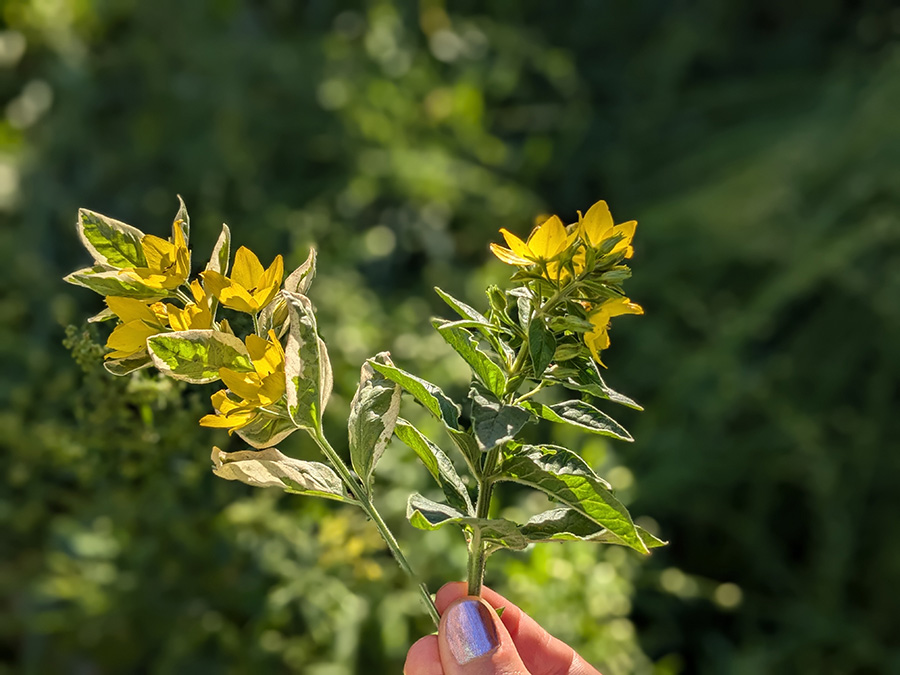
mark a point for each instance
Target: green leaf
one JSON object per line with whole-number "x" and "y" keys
{"x": 182, "y": 220}
{"x": 580, "y": 414}
{"x": 426, "y": 393}
{"x": 306, "y": 367}
{"x": 587, "y": 379}
{"x": 195, "y": 356}
{"x": 221, "y": 253}
{"x": 128, "y": 365}
{"x": 468, "y": 446}
{"x": 270, "y": 468}
{"x": 493, "y": 422}
{"x": 373, "y": 414}
{"x": 565, "y": 477}
{"x": 438, "y": 464}
{"x": 461, "y": 308}
{"x": 109, "y": 241}
{"x": 541, "y": 345}
{"x": 570, "y": 525}
{"x": 426, "y": 514}
{"x": 266, "y": 430}
{"x": 108, "y": 281}
{"x": 467, "y": 347}
{"x": 301, "y": 278}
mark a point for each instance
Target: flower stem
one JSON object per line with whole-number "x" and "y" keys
{"x": 362, "y": 495}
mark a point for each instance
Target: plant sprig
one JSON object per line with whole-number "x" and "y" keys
{"x": 547, "y": 330}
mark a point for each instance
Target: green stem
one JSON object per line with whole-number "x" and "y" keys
{"x": 360, "y": 492}
{"x": 256, "y": 323}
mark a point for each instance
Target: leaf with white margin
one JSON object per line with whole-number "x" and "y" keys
{"x": 426, "y": 393}
{"x": 106, "y": 280}
{"x": 301, "y": 278}
{"x": 109, "y": 241}
{"x": 425, "y": 514}
{"x": 221, "y": 253}
{"x": 580, "y": 414}
{"x": 564, "y": 476}
{"x": 438, "y": 464}
{"x": 195, "y": 356}
{"x": 569, "y": 525}
{"x": 270, "y": 468}
{"x": 373, "y": 414}
{"x": 266, "y": 430}
{"x": 182, "y": 220}
{"x": 307, "y": 368}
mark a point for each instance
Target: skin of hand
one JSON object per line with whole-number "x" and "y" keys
{"x": 473, "y": 640}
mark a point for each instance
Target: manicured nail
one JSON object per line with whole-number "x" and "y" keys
{"x": 470, "y": 631}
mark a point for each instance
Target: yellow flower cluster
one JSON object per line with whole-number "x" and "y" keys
{"x": 239, "y": 405}
{"x": 249, "y": 288}
{"x": 566, "y": 256}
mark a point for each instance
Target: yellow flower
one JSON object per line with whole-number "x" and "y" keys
{"x": 598, "y": 338}
{"x": 139, "y": 321}
{"x": 250, "y": 288}
{"x": 168, "y": 263}
{"x": 597, "y": 225}
{"x": 195, "y": 315}
{"x": 263, "y": 386}
{"x": 544, "y": 243}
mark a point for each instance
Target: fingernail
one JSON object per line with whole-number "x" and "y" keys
{"x": 470, "y": 631}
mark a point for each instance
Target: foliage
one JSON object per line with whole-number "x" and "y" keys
{"x": 757, "y": 143}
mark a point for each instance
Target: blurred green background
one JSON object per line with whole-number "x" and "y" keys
{"x": 756, "y": 142}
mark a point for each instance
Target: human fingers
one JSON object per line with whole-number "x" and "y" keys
{"x": 541, "y": 653}
{"x": 424, "y": 658}
{"x": 473, "y": 641}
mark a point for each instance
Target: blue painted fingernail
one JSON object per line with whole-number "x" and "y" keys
{"x": 470, "y": 631}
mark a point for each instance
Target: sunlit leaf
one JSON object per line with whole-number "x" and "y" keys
{"x": 307, "y": 367}
{"x": 108, "y": 281}
{"x": 565, "y": 477}
{"x": 541, "y": 346}
{"x": 221, "y": 253}
{"x": 109, "y": 241}
{"x": 493, "y": 422}
{"x": 196, "y": 356}
{"x": 467, "y": 347}
{"x": 270, "y": 468}
{"x": 373, "y": 414}
{"x": 580, "y": 414}
{"x": 301, "y": 278}
{"x": 438, "y": 465}
{"x": 426, "y": 514}
{"x": 426, "y": 393}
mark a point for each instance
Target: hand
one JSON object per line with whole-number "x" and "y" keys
{"x": 473, "y": 640}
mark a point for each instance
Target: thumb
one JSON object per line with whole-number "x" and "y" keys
{"x": 473, "y": 641}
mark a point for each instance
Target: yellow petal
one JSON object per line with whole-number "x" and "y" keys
{"x": 508, "y": 256}
{"x": 626, "y": 230}
{"x": 247, "y": 269}
{"x": 236, "y": 297}
{"x": 245, "y": 385}
{"x": 273, "y": 388}
{"x": 548, "y": 240}
{"x": 620, "y": 306}
{"x": 519, "y": 247}
{"x": 597, "y": 224}
{"x": 197, "y": 292}
{"x": 256, "y": 347}
{"x": 129, "y": 309}
{"x": 214, "y": 282}
{"x": 178, "y": 318}
{"x": 129, "y": 338}
{"x": 158, "y": 252}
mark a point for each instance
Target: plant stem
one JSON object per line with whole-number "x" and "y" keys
{"x": 360, "y": 492}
